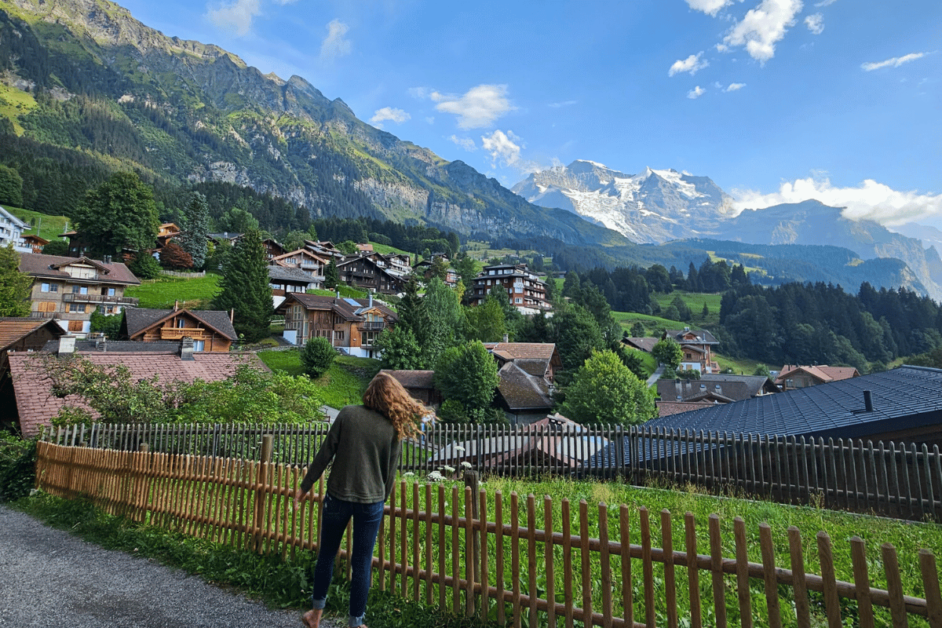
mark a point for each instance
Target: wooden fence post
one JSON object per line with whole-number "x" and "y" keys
{"x": 268, "y": 442}
{"x": 471, "y": 479}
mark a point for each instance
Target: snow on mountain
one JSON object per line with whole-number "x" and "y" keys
{"x": 651, "y": 206}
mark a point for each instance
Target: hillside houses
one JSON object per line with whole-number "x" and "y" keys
{"x": 351, "y": 325}
{"x": 526, "y": 291}
{"x": 210, "y": 330}
{"x": 11, "y": 232}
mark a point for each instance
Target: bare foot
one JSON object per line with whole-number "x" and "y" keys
{"x": 312, "y": 618}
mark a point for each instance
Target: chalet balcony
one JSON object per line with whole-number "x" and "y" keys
{"x": 70, "y": 297}
{"x": 372, "y": 326}
{"x": 177, "y": 333}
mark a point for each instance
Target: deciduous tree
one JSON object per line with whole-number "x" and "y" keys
{"x": 668, "y": 352}
{"x": 605, "y": 391}
{"x": 14, "y": 285}
{"x": 467, "y": 373}
{"x": 118, "y": 214}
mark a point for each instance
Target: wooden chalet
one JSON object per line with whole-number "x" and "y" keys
{"x": 369, "y": 273}
{"x": 211, "y": 331}
{"x": 35, "y": 243}
{"x": 303, "y": 259}
{"x": 697, "y": 347}
{"x": 351, "y": 325}
{"x": 794, "y": 376}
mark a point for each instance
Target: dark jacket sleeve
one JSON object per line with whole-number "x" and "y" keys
{"x": 324, "y": 455}
{"x": 390, "y": 479}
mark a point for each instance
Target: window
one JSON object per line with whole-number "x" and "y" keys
{"x": 338, "y": 335}
{"x": 50, "y": 287}
{"x": 75, "y": 325}
{"x": 198, "y": 345}
{"x": 109, "y": 292}
{"x": 79, "y": 289}
{"x": 77, "y": 308}
{"x": 46, "y": 306}
{"x": 518, "y": 300}
{"x": 181, "y": 323}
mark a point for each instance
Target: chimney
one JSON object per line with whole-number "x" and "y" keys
{"x": 107, "y": 259}
{"x": 868, "y": 401}
{"x": 66, "y": 345}
{"x": 186, "y": 349}
{"x": 506, "y": 338}
{"x": 337, "y": 294}
{"x": 231, "y": 315}
{"x": 176, "y": 305}
{"x": 371, "y": 300}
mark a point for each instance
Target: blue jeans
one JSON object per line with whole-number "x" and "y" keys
{"x": 366, "y": 520}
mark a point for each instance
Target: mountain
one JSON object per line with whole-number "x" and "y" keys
{"x": 650, "y": 207}
{"x": 814, "y": 223}
{"x": 86, "y": 89}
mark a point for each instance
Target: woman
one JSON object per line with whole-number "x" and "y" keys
{"x": 363, "y": 448}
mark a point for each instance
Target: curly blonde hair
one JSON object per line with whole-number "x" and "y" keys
{"x": 387, "y": 396}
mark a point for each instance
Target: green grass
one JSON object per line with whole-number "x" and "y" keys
{"x": 651, "y": 323}
{"x": 694, "y": 301}
{"x": 343, "y": 385}
{"x": 345, "y": 291}
{"x": 164, "y": 291}
{"x": 50, "y": 227}
{"x": 741, "y": 366}
{"x": 15, "y": 103}
{"x": 385, "y": 249}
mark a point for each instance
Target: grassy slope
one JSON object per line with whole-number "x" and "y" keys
{"x": 342, "y": 385}
{"x": 50, "y": 227}
{"x": 345, "y": 291}
{"x": 162, "y": 292}
{"x": 694, "y": 301}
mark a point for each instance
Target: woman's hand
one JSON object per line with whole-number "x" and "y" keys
{"x": 298, "y": 496}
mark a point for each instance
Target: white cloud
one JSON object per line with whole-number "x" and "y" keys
{"x": 895, "y": 62}
{"x": 284, "y": 2}
{"x": 419, "y": 92}
{"x": 815, "y": 23}
{"x": 763, "y": 26}
{"x": 710, "y": 7}
{"x": 735, "y": 87}
{"x": 870, "y": 200}
{"x": 388, "y": 113}
{"x": 824, "y": 3}
{"x": 696, "y": 92}
{"x": 479, "y": 107}
{"x": 691, "y": 64}
{"x": 464, "y": 142}
{"x": 334, "y": 45}
{"x": 565, "y": 103}
{"x": 505, "y": 150}
{"x": 236, "y": 17}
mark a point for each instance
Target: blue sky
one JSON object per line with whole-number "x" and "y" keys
{"x": 775, "y": 100}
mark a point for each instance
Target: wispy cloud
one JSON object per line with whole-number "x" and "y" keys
{"x": 419, "y": 92}
{"x": 284, "y": 2}
{"x": 691, "y": 64}
{"x": 710, "y": 7}
{"x": 815, "y": 23}
{"x": 479, "y": 107}
{"x": 734, "y": 87}
{"x": 565, "y": 103}
{"x": 505, "y": 150}
{"x": 894, "y": 62}
{"x": 696, "y": 92}
{"x": 464, "y": 142}
{"x": 388, "y": 113}
{"x": 762, "y": 27}
{"x": 236, "y": 16}
{"x": 870, "y": 200}
{"x": 824, "y": 3}
{"x": 334, "y": 45}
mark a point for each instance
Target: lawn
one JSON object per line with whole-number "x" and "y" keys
{"x": 342, "y": 385}
{"x": 385, "y": 249}
{"x": 45, "y": 226}
{"x": 345, "y": 291}
{"x": 164, "y": 291}
{"x": 694, "y": 301}
{"x": 651, "y": 323}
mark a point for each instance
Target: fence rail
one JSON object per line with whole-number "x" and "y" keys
{"x": 890, "y": 479}
{"x": 184, "y": 274}
{"x": 467, "y": 552}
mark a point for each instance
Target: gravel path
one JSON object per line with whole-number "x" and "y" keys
{"x": 51, "y": 578}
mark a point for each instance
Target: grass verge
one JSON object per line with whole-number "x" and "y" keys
{"x": 279, "y": 583}
{"x": 343, "y": 385}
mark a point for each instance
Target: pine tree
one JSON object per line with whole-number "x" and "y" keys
{"x": 331, "y": 275}
{"x": 245, "y": 288}
{"x": 195, "y": 227}
{"x": 14, "y": 285}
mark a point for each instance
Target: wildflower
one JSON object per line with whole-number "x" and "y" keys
{"x": 458, "y": 448}
{"x": 465, "y": 464}
{"x": 435, "y": 476}
{"x": 448, "y": 469}
{"x": 408, "y": 474}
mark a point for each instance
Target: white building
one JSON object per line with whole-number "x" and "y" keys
{"x": 11, "y": 232}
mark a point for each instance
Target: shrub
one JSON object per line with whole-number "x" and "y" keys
{"x": 17, "y": 467}
{"x": 317, "y": 356}
{"x": 145, "y": 267}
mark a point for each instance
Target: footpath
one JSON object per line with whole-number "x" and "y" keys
{"x": 51, "y": 578}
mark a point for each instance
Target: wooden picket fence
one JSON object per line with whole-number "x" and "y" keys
{"x": 891, "y": 479}
{"x": 443, "y": 547}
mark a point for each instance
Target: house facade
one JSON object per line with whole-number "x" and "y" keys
{"x": 351, "y": 325}
{"x": 305, "y": 260}
{"x": 11, "y": 232}
{"x": 697, "y": 347}
{"x": 794, "y": 376}
{"x": 526, "y": 291}
{"x": 369, "y": 272}
{"x": 211, "y": 331}
{"x": 35, "y": 243}
{"x": 70, "y": 289}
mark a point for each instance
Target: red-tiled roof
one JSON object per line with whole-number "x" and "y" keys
{"x": 822, "y": 372}
{"x": 525, "y": 350}
{"x": 667, "y": 408}
{"x": 413, "y": 379}
{"x": 37, "y": 405}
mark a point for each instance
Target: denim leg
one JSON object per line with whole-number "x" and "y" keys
{"x": 366, "y": 522}
{"x": 336, "y": 516}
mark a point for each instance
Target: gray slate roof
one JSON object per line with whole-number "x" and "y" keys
{"x": 283, "y": 273}
{"x": 734, "y": 387}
